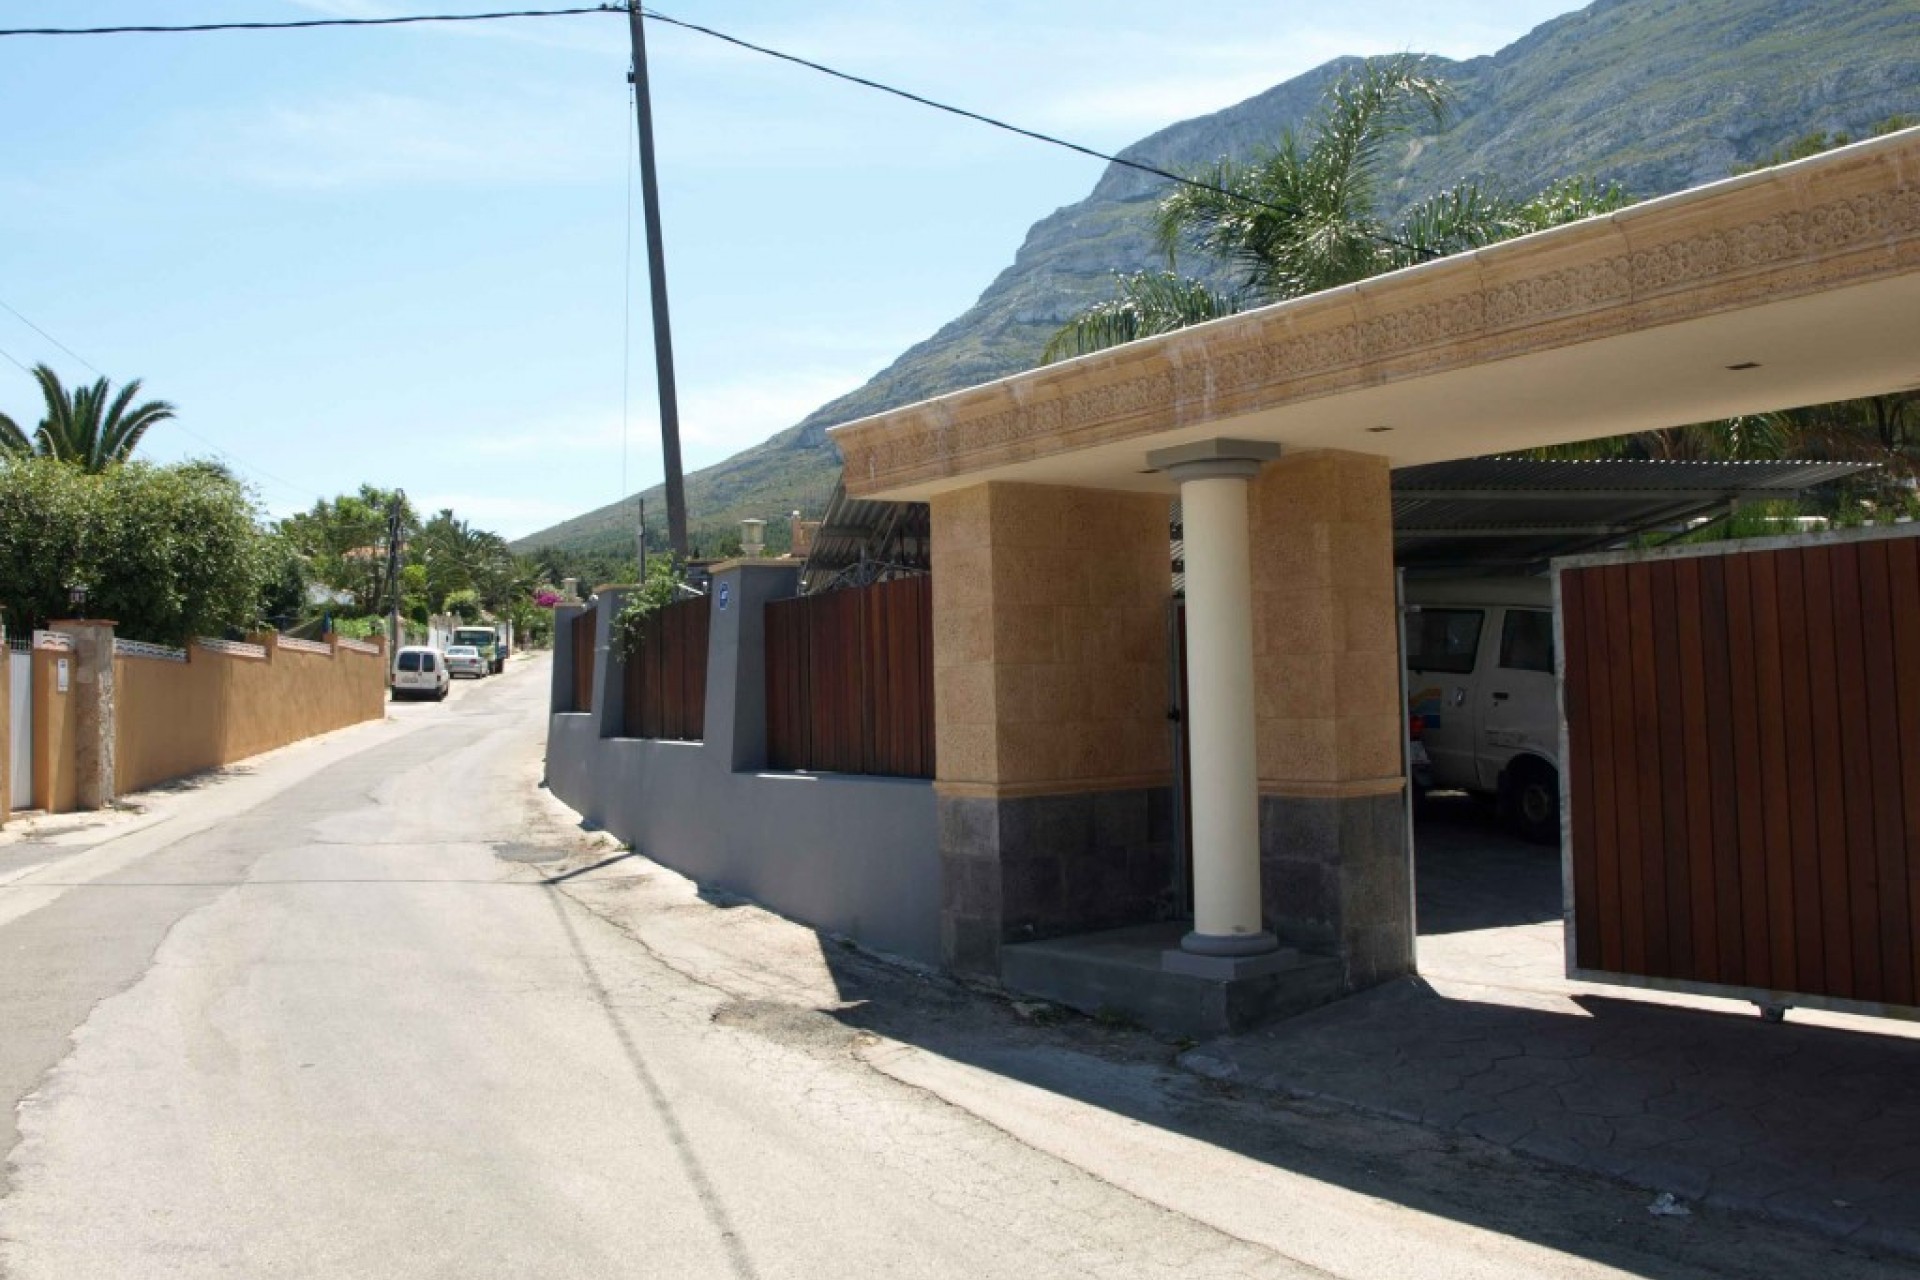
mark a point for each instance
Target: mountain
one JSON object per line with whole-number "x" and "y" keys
{"x": 1658, "y": 95}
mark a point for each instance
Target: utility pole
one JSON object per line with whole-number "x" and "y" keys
{"x": 640, "y": 537}
{"x": 657, "y": 278}
{"x": 393, "y": 577}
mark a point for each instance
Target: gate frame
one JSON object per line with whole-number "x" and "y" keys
{"x": 1772, "y": 1003}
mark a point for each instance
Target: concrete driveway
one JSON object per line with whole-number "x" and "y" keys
{"x": 1814, "y": 1122}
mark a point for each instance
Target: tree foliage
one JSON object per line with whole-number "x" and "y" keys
{"x": 344, "y": 540}
{"x": 1306, "y": 214}
{"x": 84, "y": 425}
{"x": 167, "y": 552}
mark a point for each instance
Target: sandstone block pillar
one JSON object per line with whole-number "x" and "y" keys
{"x": 93, "y": 751}
{"x": 1334, "y": 858}
{"x": 1050, "y": 609}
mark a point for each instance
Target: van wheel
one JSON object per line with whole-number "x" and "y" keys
{"x": 1530, "y": 800}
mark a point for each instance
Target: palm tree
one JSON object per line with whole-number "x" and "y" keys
{"x": 82, "y": 426}
{"x": 1304, "y": 216}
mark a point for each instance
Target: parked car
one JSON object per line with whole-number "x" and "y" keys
{"x": 465, "y": 660}
{"x": 419, "y": 672}
{"x": 1480, "y": 682}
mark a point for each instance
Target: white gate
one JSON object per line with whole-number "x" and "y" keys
{"x": 22, "y": 726}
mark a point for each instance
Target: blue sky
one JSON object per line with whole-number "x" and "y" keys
{"x": 398, "y": 255}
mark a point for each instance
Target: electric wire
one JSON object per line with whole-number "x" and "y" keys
{"x": 303, "y": 24}
{"x": 225, "y": 454}
{"x": 1291, "y": 211}
{"x": 1285, "y": 210}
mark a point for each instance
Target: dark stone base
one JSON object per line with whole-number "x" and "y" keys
{"x": 1032, "y": 867}
{"x": 1335, "y": 878}
{"x": 1122, "y": 973}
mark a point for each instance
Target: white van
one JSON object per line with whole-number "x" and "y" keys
{"x": 1480, "y": 681}
{"x": 419, "y": 672}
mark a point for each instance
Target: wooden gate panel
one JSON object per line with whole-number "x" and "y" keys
{"x": 582, "y": 641}
{"x": 1743, "y": 791}
{"x": 850, "y": 680}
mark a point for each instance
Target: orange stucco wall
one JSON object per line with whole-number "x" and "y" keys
{"x": 55, "y": 727}
{"x": 177, "y": 718}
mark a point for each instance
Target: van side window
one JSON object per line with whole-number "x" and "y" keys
{"x": 1443, "y": 639}
{"x": 409, "y": 662}
{"x": 1526, "y": 641}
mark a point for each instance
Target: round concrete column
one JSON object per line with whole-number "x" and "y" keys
{"x": 1220, "y": 694}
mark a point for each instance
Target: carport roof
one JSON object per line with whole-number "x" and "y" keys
{"x": 1789, "y": 286}
{"x": 1513, "y": 513}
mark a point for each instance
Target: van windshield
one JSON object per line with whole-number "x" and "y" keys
{"x": 1443, "y": 639}
{"x": 409, "y": 662}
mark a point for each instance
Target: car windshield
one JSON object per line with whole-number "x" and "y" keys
{"x": 463, "y": 651}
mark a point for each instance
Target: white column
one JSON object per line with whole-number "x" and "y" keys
{"x": 1213, "y": 478}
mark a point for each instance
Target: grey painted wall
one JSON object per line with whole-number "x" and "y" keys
{"x": 840, "y": 852}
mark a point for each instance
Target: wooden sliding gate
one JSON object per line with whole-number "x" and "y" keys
{"x": 1743, "y": 789}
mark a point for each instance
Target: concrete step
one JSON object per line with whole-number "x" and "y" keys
{"x": 1121, "y": 972}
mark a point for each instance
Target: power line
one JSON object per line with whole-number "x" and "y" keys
{"x": 1290, "y": 211}
{"x": 50, "y": 338}
{"x": 1285, "y": 210}
{"x": 182, "y": 427}
{"x": 304, "y": 24}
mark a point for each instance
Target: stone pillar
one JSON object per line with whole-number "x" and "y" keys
{"x": 93, "y": 759}
{"x": 1213, "y": 476}
{"x": 1333, "y": 842}
{"x": 1050, "y": 683}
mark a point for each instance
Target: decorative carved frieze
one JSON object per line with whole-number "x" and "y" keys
{"x": 1690, "y": 255}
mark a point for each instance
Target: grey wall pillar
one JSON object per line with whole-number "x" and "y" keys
{"x": 609, "y": 664}
{"x": 560, "y": 692}
{"x": 736, "y": 732}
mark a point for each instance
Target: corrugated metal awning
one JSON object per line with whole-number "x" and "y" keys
{"x": 1515, "y": 513}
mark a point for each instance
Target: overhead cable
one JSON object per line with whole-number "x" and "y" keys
{"x": 656, "y": 16}
{"x": 304, "y": 24}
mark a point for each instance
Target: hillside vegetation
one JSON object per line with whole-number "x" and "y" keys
{"x": 1658, "y": 95}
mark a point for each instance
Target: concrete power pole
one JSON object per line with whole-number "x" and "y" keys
{"x": 657, "y": 279}
{"x": 393, "y": 578}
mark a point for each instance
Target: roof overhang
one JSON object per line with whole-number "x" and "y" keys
{"x": 1790, "y": 286}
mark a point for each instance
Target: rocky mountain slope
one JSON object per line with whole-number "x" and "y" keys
{"x": 1656, "y": 94}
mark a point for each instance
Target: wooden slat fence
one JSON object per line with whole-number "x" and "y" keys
{"x": 665, "y": 679}
{"x": 583, "y": 624}
{"x": 1744, "y": 771}
{"x": 850, "y": 680}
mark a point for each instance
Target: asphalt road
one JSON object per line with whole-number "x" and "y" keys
{"x": 329, "y": 1017}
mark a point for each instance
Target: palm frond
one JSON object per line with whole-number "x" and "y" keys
{"x": 1147, "y": 303}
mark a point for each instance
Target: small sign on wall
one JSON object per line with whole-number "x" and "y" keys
{"x": 723, "y": 595}
{"x": 60, "y": 674}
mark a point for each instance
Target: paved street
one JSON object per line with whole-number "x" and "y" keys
{"x": 373, "y": 1006}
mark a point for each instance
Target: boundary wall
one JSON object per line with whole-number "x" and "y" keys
{"x": 847, "y": 853}
{"x": 112, "y": 717}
